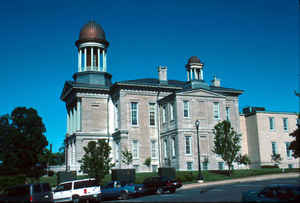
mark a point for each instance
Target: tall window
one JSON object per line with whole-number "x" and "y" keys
{"x": 173, "y": 147}
{"x": 216, "y": 109}
{"x": 186, "y": 109}
{"x": 166, "y": 148}
{"x": 116, "y": 116}
{"x": 189, "y": 165}
{"x": 152, "y": 114}
{"x": 188, "y": 145}
{"x": 285, "y": 123}
{"x": 164, "y": 114}
{"x": 171, "y": 111}
{"x": 135, "y": 149}
{"x": 274, "y": 148}
{"x": 134, "y": 113}
{"x": 205, "y": 165}
{"x": 271, "y": 122}
{"x": 228, "y": 113}
{"x": 153, "y": 149}
{"x": 288, "y": 151}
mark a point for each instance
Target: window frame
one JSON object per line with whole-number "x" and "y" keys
{"x": 135, "y": 143}
{"x": 274, "y": 148}
{"x": 288, "y": 151}
{"x": 221, "y": 165}
{"x": 172, "y": 115}
{"x": 285, "y": 124}
{"x": 166, "y": 156}
{"x": 186, "y": 109}
{"x": 188, "y": 137}
{"x": 187, "y": 165}
{"x": 216, "y": 110}
{"x": 153, "y": 149}
{"x": 227, "y": 109}
{"x": 271, "y": 123}
{"x": 152, "y": 110}
{"x": 173, "y": 141}
{"x": 164, "y": 114}
{"x": 132, "y": 110}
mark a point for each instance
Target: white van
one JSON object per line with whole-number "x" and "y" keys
{"x": 76, "y": 190}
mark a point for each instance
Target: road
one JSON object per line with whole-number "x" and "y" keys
{"x": 218, "y": 193}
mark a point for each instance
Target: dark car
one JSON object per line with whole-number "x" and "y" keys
{"x": 118, "y": 190}
{"x": 158, "y": 185}
{"x": 273, "y": 193}
{"x": 38, "y": 192}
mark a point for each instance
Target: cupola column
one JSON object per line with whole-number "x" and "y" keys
{"x": 92, "y": 58}
{"x": 85, "y": 59}
{"x": 195, "y": 73}
{"x": 79, "y": 60}
{"x": 104, "y": 60}
{"x": 188, "y": 75}
{"x": 98, "y": 58}
{"x": 191, "y": 74}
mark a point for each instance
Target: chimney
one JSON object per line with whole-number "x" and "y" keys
{"x": 162, "y": 74}
{"x": 216, "y": 82}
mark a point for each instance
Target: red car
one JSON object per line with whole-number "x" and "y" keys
{"x": 160, "y": 185}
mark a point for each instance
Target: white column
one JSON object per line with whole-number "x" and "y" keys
{"x": 201, "y": 74}
{"x": 85, "y": 59}
{"x": 75, "y": 119}
{"x": 104, "y": 60}
{"x": 191, "y": 74}
{"x": 195, "y": 73}
{"x": 79, "y": 60}
{"x": 78, "y": 115}
{"x": 92, "y": 58}
{"x": 98, "y": 56}
{"x": 68, "y": 123}
{"x": 73, "y": 154}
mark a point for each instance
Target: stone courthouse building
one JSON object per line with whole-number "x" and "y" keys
{"x": 153, "y": 117}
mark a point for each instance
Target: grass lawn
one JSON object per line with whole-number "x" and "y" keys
{"x": 190, "y": 176}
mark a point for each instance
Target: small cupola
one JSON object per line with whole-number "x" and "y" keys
{"x": 162, "y": 74}
{"x": 92, "y": 48}
{"x": 194, "y": 69}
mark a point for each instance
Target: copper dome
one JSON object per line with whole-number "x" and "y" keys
{"x": 194, "y": 59}
{"x": 92, "y": 32}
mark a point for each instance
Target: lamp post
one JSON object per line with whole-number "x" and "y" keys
{"x": 200, "y": 177}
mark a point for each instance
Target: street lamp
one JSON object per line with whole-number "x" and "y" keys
{"x": 200, "y": 177}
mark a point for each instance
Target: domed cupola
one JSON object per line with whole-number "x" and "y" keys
{"x": 194, "y": 69}
{"x": 92, "y": 48}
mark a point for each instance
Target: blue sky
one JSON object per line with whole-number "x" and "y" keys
{"x": 249, "y": 45}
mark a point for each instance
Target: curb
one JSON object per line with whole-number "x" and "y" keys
{"x": 241, "y": 180}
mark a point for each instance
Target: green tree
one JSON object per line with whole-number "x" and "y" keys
{"x": 226, "y": 143}
{"x": 295, "y": 144}
{"x": 276, "y": 158}
{"x": 243, "y": 159}
{"x": 96, "y": 162}
{"x": 147, "y": 162}
{"x": 126, "y": 157}
{"x": 23, "y": 142}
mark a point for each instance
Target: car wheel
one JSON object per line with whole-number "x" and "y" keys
{"x": 124, "y": 195}
{"x": 75, "y": 199}
{"x": 159, "y": 190}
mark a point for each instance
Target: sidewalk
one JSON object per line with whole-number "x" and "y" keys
{"x": 241, "y": 180}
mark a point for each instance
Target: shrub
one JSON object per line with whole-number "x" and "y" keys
{"x": 269, "y": 166}
{"x": 50, "y": 173}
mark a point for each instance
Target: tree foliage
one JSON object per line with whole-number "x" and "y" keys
{"x": 147, "y": 162}
{"x": 226, "y": 143}
{"x": 96, "y": 162}
{"x": 295, "y": 144}
{"x": 243, "y": 159}
{"x": 276, "y": 158}
{"x": 23, "y": 142}
{"x": 126, "y": 157}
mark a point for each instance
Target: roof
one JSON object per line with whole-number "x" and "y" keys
{"x": 92, "y": 32}
{"x": 194, "y": 59}
{"x": 153, "y": 82}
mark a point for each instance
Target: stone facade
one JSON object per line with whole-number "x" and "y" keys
{"x": 154, "y": 118}
{"x": 268, "y": 133}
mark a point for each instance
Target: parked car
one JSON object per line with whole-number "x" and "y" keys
{"x": 77, "y": 190}
{"x": 159, "y": 185}
{"x": 33, "y": 193}
{"x": 118, "y": 190}
{"x": 273, "y": 193}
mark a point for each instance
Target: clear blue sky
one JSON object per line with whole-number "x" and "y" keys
{"x": 250, "y": 45}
